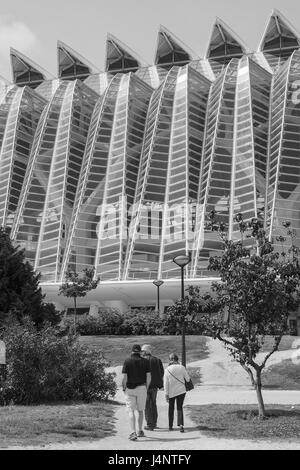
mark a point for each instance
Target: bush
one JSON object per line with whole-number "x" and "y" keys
{"x": 141, "y": 322}
{"x": 133, "y": 322}
{"x": 107, "y": 322}
{"x": 42, "y": 367}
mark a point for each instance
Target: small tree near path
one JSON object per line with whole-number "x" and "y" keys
{"x": 257, "y": 291}
{"x": 78, "y": 286}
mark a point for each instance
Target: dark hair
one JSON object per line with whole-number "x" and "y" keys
{"x": 173, "y": 357}
{"x": 136, "y": 348}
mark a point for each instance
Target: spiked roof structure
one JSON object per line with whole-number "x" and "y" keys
{"x": 71, "y": 64}
{"x": 119, "y": 172}
{"x": 279, "y": 35}
{"x": 119, "y": 57}
{"x": 224, "y": 43}
{"x": 170, "y": 50}
{"x": 25, "y": 71}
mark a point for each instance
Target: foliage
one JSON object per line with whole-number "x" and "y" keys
{"x": 134, "y": 322}
{"x": 41, "y": 367}
{"x": 112, "y": 322}
{"x": 184, "y": 311}
{"x": 78, "y": 286}
{"x": 107, "y": 322}
{"x": 258, "y": 290}
{"x": 20, "y": 294}
{"x": 142, "y": 322}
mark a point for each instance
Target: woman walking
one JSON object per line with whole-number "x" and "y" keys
{"x": 175, "y": 390}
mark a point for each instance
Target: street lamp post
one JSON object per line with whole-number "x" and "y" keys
{"x": 158, "y": 283}
{"x": 182, "y": 261}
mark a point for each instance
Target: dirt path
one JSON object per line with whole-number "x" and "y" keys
{"x": 219, "y": 368}
{"x": 162, "y": 439}
{"x": 223, "y": 381}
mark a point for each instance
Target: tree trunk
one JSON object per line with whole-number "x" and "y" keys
{"x": 261, "y": 405}
{"x": 249, "y": 372}
{"x": 75, "y": 315}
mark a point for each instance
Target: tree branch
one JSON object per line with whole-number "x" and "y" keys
{"x": 249, "y": 372}
{"x": 277, "y": 342}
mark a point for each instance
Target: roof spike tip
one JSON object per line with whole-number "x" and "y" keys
{"x": 170, "y": 50}
{"x": 279, "y": 35}
{"x": 25, "y": 71}
{"x": 224, "y": 42}
{"x": 120, "y": 57}
{"x": 71, "y": 64}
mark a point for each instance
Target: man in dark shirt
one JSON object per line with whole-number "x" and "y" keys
{"x": 157, "y": 374}
{"x": 135, "y": 382}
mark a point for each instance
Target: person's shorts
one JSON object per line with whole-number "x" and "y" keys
{"x": 135, "y": 398}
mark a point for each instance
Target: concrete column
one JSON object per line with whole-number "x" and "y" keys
{"x": 94, "y": 309}
{"x": 118, "y": 304}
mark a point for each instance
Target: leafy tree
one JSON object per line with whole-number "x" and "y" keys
{"x": 258, "y": 289}
{"x": 78, "y": 286}
{"x": 20, "y": 293}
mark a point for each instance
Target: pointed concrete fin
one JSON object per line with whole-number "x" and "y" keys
{"x": 120, "y": 57}
{"x": 170, "y": 50}
{"x": 25, "y": 71}
{"x": 224, "y": 43}
{"x": 279, "y": 35}
{"x": 71, "y": 64}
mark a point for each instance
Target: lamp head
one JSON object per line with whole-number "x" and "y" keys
{"x": 182, "y": 260}
{"x": 158, "y": 283}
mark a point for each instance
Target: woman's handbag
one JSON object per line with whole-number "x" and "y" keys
{"x": 188, "y": 385}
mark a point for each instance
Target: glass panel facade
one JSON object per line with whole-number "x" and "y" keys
{"x": 120, "y": 170}
{"x": 21, "y": 109}
{"x": 283, "y": 195}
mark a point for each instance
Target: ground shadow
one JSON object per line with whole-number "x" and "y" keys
{"x": 207, "y": 428}
{"x": 186, "y": 429}
{"x": 160, "y": 439}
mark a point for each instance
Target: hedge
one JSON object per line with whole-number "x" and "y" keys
{"x": 134, "y": 322}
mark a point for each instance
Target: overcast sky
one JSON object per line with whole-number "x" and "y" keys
{"x": 33, "y": 26}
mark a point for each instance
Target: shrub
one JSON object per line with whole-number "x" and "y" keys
{"x": 134, "y": 322}
{"x": 107, "y": 322}
{"x": 143, "y": 322}
{"x": 42, "y": 367}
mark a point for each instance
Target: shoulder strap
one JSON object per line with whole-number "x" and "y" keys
{"x": 175, "y": 377}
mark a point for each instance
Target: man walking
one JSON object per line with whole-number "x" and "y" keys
{"x": 135, "y": 382}
{"x": 157, "y": 374}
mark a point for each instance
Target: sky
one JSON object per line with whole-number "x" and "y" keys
{"x": 34, "y": 26}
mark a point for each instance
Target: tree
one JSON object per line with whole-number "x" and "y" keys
{"x": 185, "y": 311}
{"x": 20, "y": 293}
{"x": 258, "y": 289}
{"x": 76, "y": 286}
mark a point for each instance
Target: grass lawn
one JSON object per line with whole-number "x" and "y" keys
{"x": 116, "y": 348}
{"x": 241, "y": 422}
{"x": 284, "y": 375}
{"x": 58, "y": 423}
